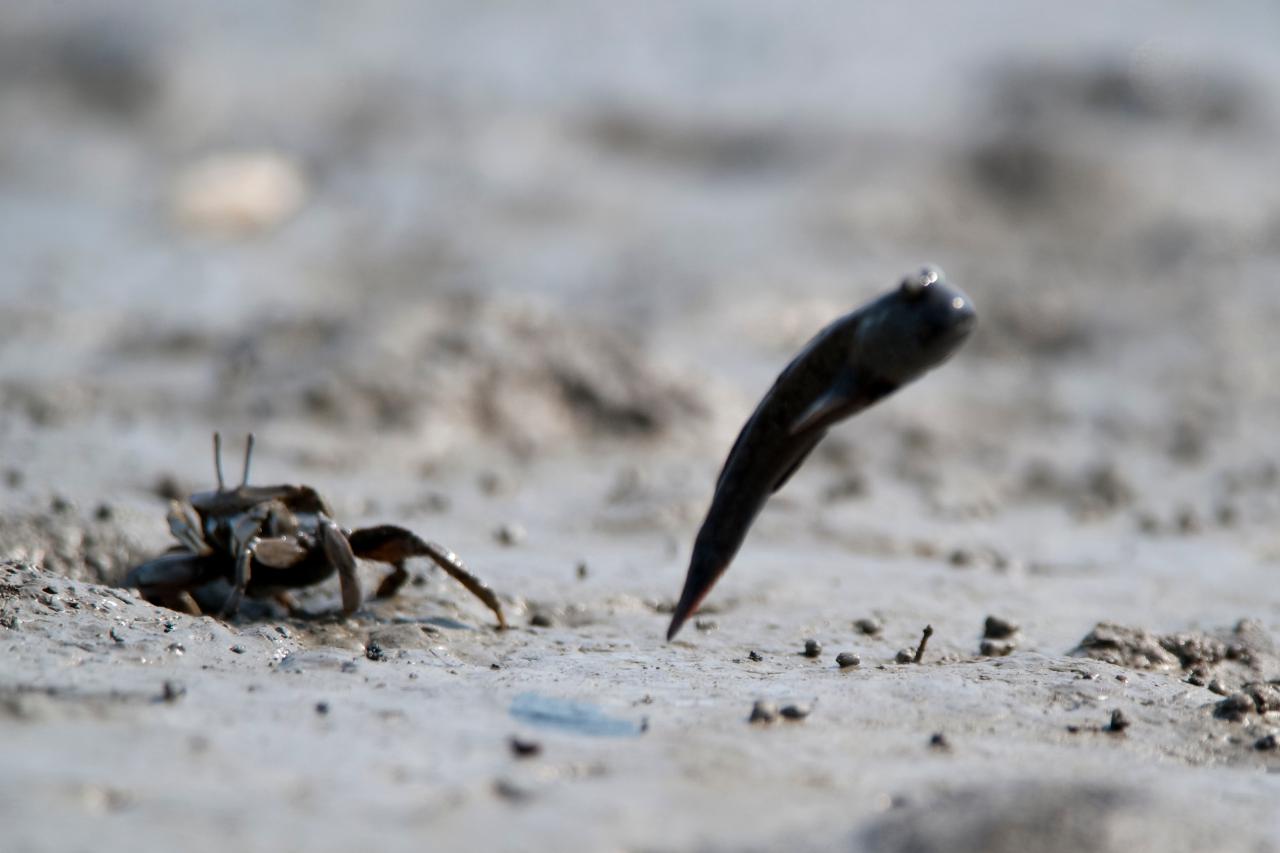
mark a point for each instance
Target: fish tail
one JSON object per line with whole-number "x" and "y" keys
{"x": 705, "y": 568}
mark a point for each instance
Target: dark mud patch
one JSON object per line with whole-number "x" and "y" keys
{"x": 715, "y": 147}
{"x": 1046, "y": 817}
{"x": 523, "y": 377}
{"x": 1145, "y": 88}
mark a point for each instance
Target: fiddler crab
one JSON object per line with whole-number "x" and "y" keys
{"x": 265, "y": 540}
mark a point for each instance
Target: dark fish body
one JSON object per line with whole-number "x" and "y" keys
{"x": 850, "y": 365}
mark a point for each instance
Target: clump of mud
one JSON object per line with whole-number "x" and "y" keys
{"x": 62, "y": 541}
{"x": 1245, "y": 654}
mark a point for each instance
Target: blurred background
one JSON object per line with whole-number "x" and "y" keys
{"x": 412, "y": 236}
{"x": 514, "y": 275}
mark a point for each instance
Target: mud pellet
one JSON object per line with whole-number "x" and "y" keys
{"x": 322, "y": 708}
{"x": 1216, "y": 686}
{"x": 939, "y": 741}
{"x": 1267, "y": 743}
{"x": 845, "y": 660}
{"x": 795, "y": 712}
{"x": 1119, "y": 722}
{"x": 812, "y": 648}
{"x": 509, "y": 534}
{"x": 1234, "y": 708}
{"x": 904, "y": 656}
{"x": 541, "y": 619}
{"x": 754, "y": 656}
{"x": 995, "y": 648}
{"x": 870, "y": 627}
{"x": 763, "y": 712}
{"x": 522, "y": 748}
{"x": 172, "y": 691}
{"x": 237, "y": 649}
{"x": 995, "y": 628}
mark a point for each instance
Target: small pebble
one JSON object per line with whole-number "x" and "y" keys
{"x": 1119, "y": 722}
{"x": 763, "y": 712}
{"x": 812, "y": 648}
{"x": 522, "y": 748}
{"x": 755, "y": 656}
{"x": 904, "y": 656}
{"x": 1267, "y": 743}
{"x": 237, "y": 649}
{"x": 13, "y": 478}
{"x": 1218, "y": 687}
{"x": 59, "y": 504}
{"x": 995, "y": 628}
{"x": 870, "y": 627}
{"x": 795, "y": 712}
{"x": 961, "y": 557}
{"x": 1195, "y": 680}
{"x": 116, "y": 634}
{"x": 509, "y": 534}
{"x": 541, "y": 619}
{"x": 705, "y": 625}
{"x": 104, "y": 512}
{"x": 172, "y": 691}
{"x": 583, "y": 571}
{"x": 939, "y": 741}
{"x": 322, "y": 708}
{"x": 845, "y": 660}
{"x": 373, "y": 651}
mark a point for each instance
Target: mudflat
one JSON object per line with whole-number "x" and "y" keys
{"x": 513, "y": 278}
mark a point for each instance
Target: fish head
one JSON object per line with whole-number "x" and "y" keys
{"x": 915, "y": 327}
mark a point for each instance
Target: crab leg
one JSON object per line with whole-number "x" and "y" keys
{"x": 338, "y": 550}
{"x": 166, "y": 579}
{"x": 388, "y": 543}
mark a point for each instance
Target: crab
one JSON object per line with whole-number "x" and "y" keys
{"x": 266, "y": 540}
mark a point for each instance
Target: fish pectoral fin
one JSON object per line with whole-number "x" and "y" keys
{"x": 824, "y": 411}
{"x": 810, "y": 444}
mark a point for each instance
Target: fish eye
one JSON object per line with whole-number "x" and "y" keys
{"x": 913, "y": 286}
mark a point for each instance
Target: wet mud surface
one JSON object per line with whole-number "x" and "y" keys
{"x": 521, "y": 306}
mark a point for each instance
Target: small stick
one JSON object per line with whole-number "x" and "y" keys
{"x": 924, "y": 640}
